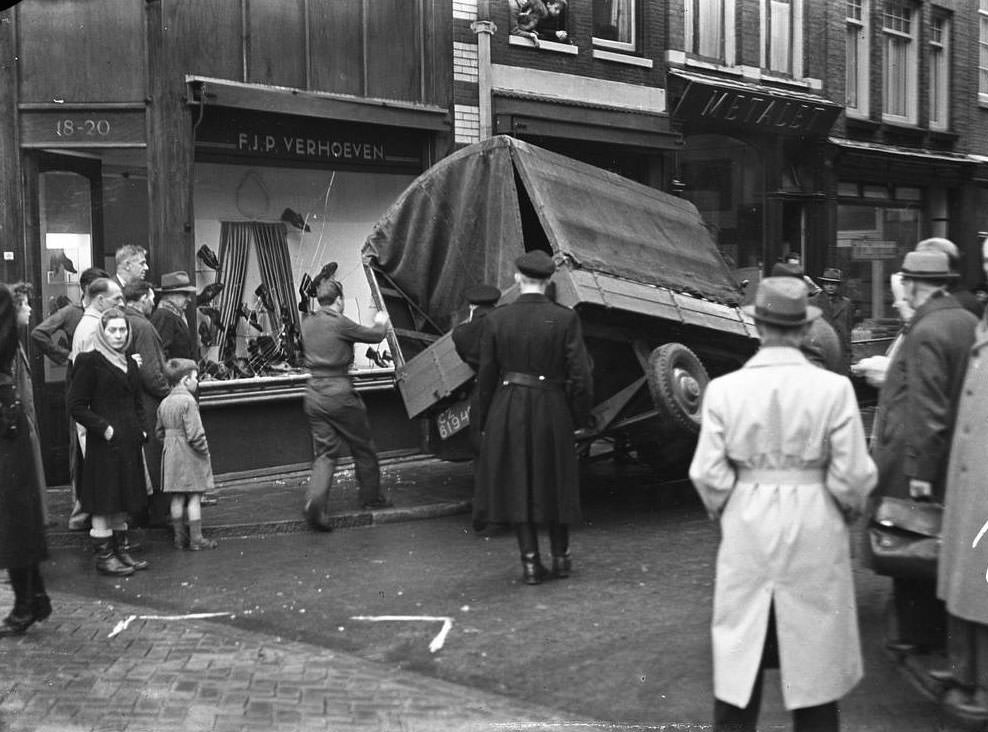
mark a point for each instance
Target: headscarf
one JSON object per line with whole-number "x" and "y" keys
{"x": 8, "y": 329}
{"x": 101, "y": 344}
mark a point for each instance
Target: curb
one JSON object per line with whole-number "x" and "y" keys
{"x": 347, "y": 520}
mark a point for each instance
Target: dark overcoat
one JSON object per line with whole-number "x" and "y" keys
{"x": 177, "y": 340}
{"x": 917, "y": 403}
{"x": 114, "y": 478}
{"x": 527, "y": 466}
{"x": 146, "y": 341}
{"x": 839, "y": 313}
{"x": 22, "y": 520}
{"x": 964, "y": 552}
{"x": 466, "y": 338}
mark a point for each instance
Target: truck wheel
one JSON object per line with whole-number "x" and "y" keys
{"x": 676, "y": 380}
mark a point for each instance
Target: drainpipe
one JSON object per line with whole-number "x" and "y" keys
{"x": 484, "y": 28}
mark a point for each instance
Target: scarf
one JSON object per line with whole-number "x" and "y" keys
{"x": 115, "y": 357}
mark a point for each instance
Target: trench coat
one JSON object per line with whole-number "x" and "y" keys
{"x": 782, "y": 462}
{"x": 917, "y": 404}
{"x": 22, "y": 477}
{"x": 526, "y": 468}
{"x": 185, "y": 462}
{"x": 963, "y": 559}
{"x": 114, "y": 478}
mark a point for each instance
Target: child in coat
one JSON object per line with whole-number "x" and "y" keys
{"x": 186, "y": 471}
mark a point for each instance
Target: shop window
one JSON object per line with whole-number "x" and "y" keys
{"x": 539, "y": 20}
{"x": 710, "y": 29}
{"x": 857, "y": 49}
{"x": 901, "y": 61}
{"x": 939, "y": 72}
{"x": 614, "y": 24}
{"x": 872, "y": 241}
{"x": 263, "y": 233}
{"x": 782, "y": 36}
{"x": 983, "y": 51}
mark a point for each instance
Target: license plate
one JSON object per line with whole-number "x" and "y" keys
{"x": 453, "y": 419}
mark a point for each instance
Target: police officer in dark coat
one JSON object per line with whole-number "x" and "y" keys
{"x": 466, "y": 336}
{"x": 533, "y": 390}
{"x": 337, "y": 415}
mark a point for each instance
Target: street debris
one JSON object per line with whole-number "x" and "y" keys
{"x": 125, "y": 623}
{"x": 436, "y": 642}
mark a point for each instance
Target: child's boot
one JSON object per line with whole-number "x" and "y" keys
{"x": 196, "y": 540}
{"x": 180, "y": 533}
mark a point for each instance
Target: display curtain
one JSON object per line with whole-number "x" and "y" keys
{"x": 271, "y": 241}
{"x": 233, "y": 251}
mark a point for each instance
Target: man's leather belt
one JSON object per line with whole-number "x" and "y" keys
{"x": 793, "y": 476}
{"x": 534, "y": 381}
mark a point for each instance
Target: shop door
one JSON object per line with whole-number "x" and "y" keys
{"x": 65, "y": 228}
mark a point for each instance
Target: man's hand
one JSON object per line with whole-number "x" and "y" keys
{"x": 381, "y": 318}
{"x": 137, "y": 359}
{"x": 108, "y": 433}
{"x": 920, "y": 490}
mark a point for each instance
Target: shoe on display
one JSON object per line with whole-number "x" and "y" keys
{"x": 209, "y": 293}
{"x": 295, "y": 219}
{"x": 208, "y": 257}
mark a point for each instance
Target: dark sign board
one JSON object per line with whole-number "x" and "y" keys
{"x": 83, "y": 127}
{"x": 753, "y": 107}
{"x": 227, "y": 133}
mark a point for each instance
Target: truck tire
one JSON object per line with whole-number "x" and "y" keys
{"x": 676, "y": 381}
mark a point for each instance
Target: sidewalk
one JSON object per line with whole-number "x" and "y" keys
{"x": 68, "y": 674}
{"x": 420, "y": 486}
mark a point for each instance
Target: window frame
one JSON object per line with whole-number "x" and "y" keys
{"x": 863, "y": 75}
{"x": 912, "y": 62}
{"x": 939, "y": 55}
{"x": 627, "y": 47}
{"x": 795, "y": 40}
{"x": 728, "y": 41}
{"x": 983, "y": 51}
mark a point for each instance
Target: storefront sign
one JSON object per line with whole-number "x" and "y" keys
{"x": 760, "y": 108}
{"x": 72, "y": 127}
{"x": 235, "y": 133}
{"x": 868, "y": 250}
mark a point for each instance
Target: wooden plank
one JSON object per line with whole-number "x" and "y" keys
{"x": 276, "y": 42}
{"x": 393, "y": 52}
{"x": 432, "y": 376}
{"x": 12, "y": 265}
{"x": 79, "y": 50}
{"x": 336, "y": 47}
{"x": 206, "y": 37}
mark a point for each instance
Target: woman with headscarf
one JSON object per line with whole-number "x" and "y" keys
{"x": 105, "y": 398}
{"x": 22, "y": 507}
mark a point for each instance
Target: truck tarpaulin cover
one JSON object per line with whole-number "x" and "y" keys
{"x": 460, "y": 223}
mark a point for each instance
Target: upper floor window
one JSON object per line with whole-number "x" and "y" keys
{"x": 857, "y": 65}
{"x": 983, "y": 51}
{"x": 782, "y": 36}
{"x": 939, "y": 72}
{"x": 710, "y": 29}
{"x": 614, "y": 24}
{"x": 901, "y": 61}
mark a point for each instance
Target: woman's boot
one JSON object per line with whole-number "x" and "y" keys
{"x": 559, "y": 543}
{"x": 197, "y": 541}
{"x": 107, "y": 562}
{"x": 180, "y": 533}
{"x": 533, "y": 571}
{"x": 121, "y": 545}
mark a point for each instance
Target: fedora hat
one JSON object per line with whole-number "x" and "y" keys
{"x": 831, "y": 274}
{"x": 782, "y": 301}
{"x": 927, "y": 265}
{"x": 176, "y": 282}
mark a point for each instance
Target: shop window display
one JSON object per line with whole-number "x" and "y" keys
{"x": 262, "y": 236}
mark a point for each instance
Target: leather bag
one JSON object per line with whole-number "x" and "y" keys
{"x": 904, "y": 538}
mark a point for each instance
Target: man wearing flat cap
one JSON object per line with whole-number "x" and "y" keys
{"x": 533, "y": 390}
{"x": 174, "y": 295}
{"x": 914, "y": 425}
{"x": 782, "y": 464}
{"x": 837, "y": 310}
{"x": 466, "y": 336}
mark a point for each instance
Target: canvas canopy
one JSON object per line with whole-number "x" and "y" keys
{"x": 465, "y": 220}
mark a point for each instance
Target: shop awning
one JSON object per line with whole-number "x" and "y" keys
{"x": 466, "y": 219}
{"x": 712, "y": 100}
{"x": 903, "y": 152}
{"x": 287, "y": 100}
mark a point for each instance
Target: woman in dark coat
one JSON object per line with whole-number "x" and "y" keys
{"x": 22, "y": 513}
{"x": 105, "y": 398}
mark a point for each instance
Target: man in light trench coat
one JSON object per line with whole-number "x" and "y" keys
{"x": 782, "y": 463}
{"x": 962, "y": 576}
